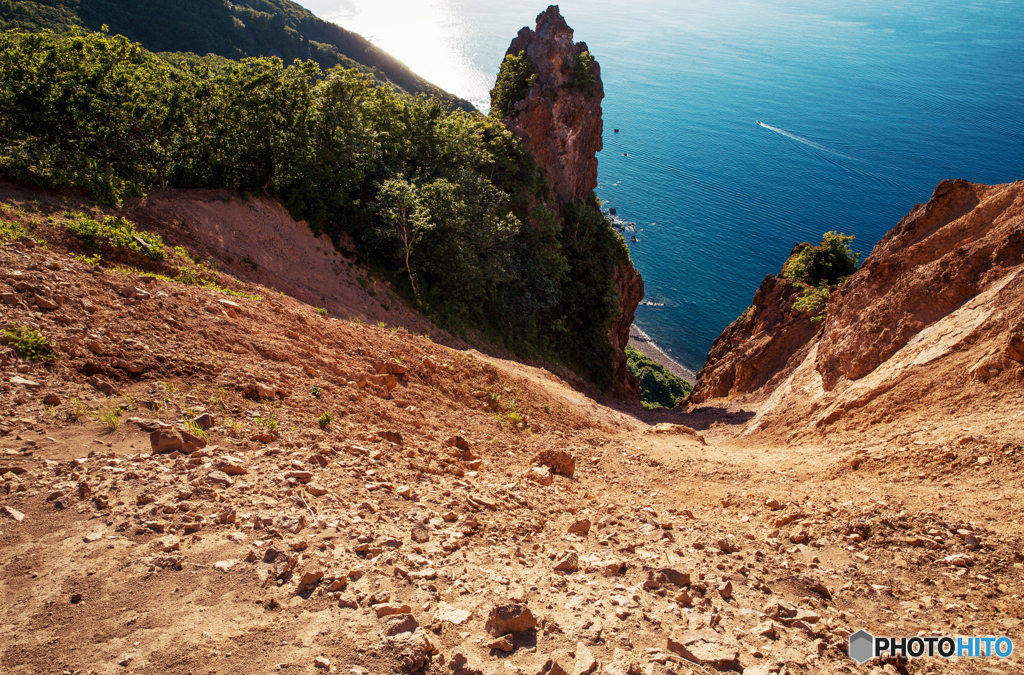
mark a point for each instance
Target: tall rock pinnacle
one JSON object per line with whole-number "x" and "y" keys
{"x": 560, "y": 118}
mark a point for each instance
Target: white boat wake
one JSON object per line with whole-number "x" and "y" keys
{"x": 805, "y": 141}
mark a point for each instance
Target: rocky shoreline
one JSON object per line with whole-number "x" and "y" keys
{"x": 642, "y": 342}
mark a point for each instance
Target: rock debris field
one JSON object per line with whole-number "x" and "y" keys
{"x": 211, "y": 483}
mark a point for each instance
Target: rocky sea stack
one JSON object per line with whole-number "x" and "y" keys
{"x": 560, "y": 117}
{"x": 552, "y": 101}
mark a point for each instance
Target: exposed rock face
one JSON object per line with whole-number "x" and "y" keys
{"x": 630, "y": 287}
{"x": 935, "y": 311}
{"x": 940, "y": 255}
{"x": 560, "y": 125}
{"x": 758, "y": 348}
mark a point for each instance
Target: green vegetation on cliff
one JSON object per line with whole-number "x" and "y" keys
{"x": 659, "y": 388}
{"x": 446, "y": 203}
{"x": 821, "y": 269}
{"x": 516, "y": 77}
{"x": 235, "y": 30}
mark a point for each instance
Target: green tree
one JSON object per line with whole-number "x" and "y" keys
{"x": 402, "y": 210}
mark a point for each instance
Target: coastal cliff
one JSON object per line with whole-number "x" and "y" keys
{"x": 757, "y": 349}
{"x": 935, "y": 313}
{"x": 552, "y": 103}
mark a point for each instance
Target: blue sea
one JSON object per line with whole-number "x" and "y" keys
{"x": 864, "y": 106}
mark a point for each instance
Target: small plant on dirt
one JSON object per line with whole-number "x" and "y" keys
{"x": 170, "y": 387}
{"x": 234, "y": 426}
{"x": 316, "y": 390}
{"x": 250, "y": 263}
{"x": 514, "y": 418}
{"x": 29, "y": 343}
{"x": 88, "y": 259}
{"x": 321, "y": 311}
{"x": 192, "y": 427}
{"x": 220, "y": 400}
{"x": 114, "y": 232}
{"x": 268, "y": 421}
{"x": 325, "y": 420}
{"x": 78, "y": 409}
{"x": 11, "y": 230}
{"x": 108, "y": 414}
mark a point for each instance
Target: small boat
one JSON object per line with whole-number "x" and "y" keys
{"x": 633, "y": 238}
{"x": 616, "y": 131}
{"x": 625, "y": 154}
{"x": 758, "y": 121}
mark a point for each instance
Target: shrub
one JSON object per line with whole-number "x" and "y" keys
{"x": 821, "y": 269}
{"x": 11, "y": 230}
{"x": 583, "y": 81}
{"x": 99, "y": 113}
{"x": 29, "y": 343}
{"x": 325, "y": 419}
{"x": 315, "y": 391}
{"x": 832, "y": 262}
{"x": 114, "y": 232}
{"x": 814, "y": 299}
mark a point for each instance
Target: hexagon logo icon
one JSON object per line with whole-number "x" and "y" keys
{"x": 861, "y": 647}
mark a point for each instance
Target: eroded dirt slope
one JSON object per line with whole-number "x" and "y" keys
{"x": 172, "y": 503}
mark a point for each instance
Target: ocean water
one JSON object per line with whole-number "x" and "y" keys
{"x": 751, "y": 126}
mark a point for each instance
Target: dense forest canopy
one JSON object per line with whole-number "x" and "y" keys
{"x": 246, "y": 28}
{"x": 102, "y": 114}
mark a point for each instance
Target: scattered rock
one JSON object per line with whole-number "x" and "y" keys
{"x": 165, "y": 441}
{"x": 513, "y": 618}
{"x": 580, "y": 527}
{"x": 503, "y": 643}
{"x": 450, "y": 614}
{"x": 585, "y": 661}
{"x": 322, "y": 662}
{"x": 558, "y": 461}
{"x": 388, "y": 609}
{"x": 569, "y": 562}
{"x": 102, "y": 386}
{"x": 540, "y": 475}
{"x": 219, "y": 478}
{"x": 401, "y": 623}
{"x": 420, "y": 534}
{"x": 22, "y": 382}
{"x": 408, "y": 649}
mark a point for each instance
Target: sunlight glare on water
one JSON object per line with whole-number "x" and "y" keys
{"x": 429, "y": 36}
